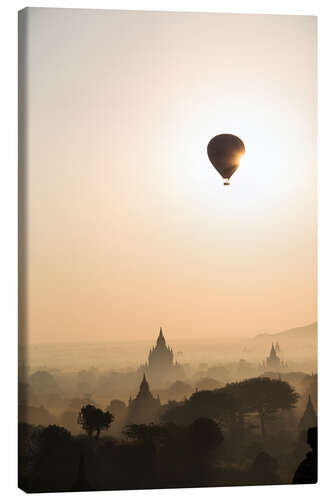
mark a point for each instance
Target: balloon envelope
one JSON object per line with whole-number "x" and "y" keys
{"x": 224, "y": 152}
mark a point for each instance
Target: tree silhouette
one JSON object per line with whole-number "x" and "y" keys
{"x": 94, "y": 419}
{"x": 218, "y": 404}
{"x": 53, "y": 459}
{"x": 53, "y": 434}
{"x": 230, "y": 404}
{"x": 263, "y": 396}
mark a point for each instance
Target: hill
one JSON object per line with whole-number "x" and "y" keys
{"x": 300, "y": 332}
{"x": 296, "y": 344}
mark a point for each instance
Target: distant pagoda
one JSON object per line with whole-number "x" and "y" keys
{"x": 144, "y": 408}
{"x": 309, "y": 418}
{"x": 161, "y": 356}
{"x": 273, "y": 362}
{"x": 161, "y": 366}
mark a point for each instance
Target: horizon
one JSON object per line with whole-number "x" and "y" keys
{"x": 166, "y": 335}
{"x": 131, "y": 354}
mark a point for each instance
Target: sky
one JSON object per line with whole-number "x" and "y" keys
{"x": 129, "y": 226}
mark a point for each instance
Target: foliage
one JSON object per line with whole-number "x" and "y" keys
{"x": 262, "y": 396}
{"x": 94, "y": 419}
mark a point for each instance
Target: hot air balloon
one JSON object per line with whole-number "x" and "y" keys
{"x": 224, "y": 152}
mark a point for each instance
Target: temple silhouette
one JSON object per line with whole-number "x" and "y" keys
{"x": 309, "y": 418}
{"x": 273, "y": 362}
{"x": 144, "y": 408}
{"x": 161, "y": 366}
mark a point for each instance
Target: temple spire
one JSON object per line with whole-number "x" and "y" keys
{"x": 144, "y": 407}
{"x": 144, "y": 387}
{"x": 309, "y": 418}
{"x": 309, "y": 405}
{"x": 273, "y": 353}
{"x": 160, "y": 339}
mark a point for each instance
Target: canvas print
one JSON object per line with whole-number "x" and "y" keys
{"x": 167, "y": 267}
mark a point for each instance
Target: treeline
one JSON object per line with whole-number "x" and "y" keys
{"x": 231, "y": 405}
{"x": 152, "y": 456}
{"x": 231, "y": 436}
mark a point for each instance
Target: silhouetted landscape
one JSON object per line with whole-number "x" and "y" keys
{"x": 168, "y": 423}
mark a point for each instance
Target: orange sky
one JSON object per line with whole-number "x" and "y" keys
{"x": 129, "y": 225}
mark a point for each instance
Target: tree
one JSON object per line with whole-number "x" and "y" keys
{"x": 217, "y": 404}
{"x": 263, "y": 396}
{"x": 94, "y": 419}
{"x": 229, "y": 405}
{"x": 53, "y": 459}
{"x": 52, "y": 436}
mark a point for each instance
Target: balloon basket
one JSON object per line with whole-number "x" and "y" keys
{"x": 226, "y": 182}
